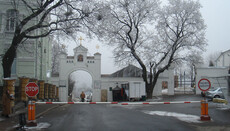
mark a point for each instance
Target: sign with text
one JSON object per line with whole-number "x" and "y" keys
{"x": 31, "y": 89}
{"x": 204, "y": 84}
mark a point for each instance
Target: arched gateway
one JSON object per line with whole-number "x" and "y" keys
{"x": 80, "y": 61}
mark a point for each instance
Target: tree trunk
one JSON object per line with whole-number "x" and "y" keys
{"x": 150, "y": 86}
{"x": 149, "y": 90}
{"x": 8, "y": 60}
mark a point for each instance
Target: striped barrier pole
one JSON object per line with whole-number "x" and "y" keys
{"x": 122, "y": 103}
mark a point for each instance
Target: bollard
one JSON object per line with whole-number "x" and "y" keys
{"x": 46, "y": 91}
{"x": 31, "y": 114}
{"x": 50, "y": 92}
{"x": 33, "y": 111}
{"x": 53, "y": 91}
{"x": 29, "y": 111}
{"x": 204, "y": 111}
{"x": 57, "y": 92}
{"x": 23, "y": 82}
{"x": 41, "y": 89}
{"x": 8, "y": 96}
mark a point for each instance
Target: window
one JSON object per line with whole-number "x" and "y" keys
{"x": 11, "y": 19}
{"x": 80, "y": 58}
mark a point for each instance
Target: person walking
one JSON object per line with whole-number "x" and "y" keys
{"x": 82, "y": 96}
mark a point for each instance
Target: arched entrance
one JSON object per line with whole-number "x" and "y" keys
{"x": 79, "y": 62}
{"x": 79, "y": 81}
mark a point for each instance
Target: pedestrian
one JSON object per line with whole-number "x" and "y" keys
{"x": 82, "y": 96}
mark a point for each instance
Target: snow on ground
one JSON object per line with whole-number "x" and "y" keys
{"x": 179, "y": 89}
{"x": 40, "y": 126}
{"x": 179, "y": 116}
{"x": 183, "y": 89}
{"x": 164, "y": 91}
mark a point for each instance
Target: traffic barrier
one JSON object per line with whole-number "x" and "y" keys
{"x": 122, "y": 103}
{"x": 31, "y": 114}
{"x": 204, "y": 111}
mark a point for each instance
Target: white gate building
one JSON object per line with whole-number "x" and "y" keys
{"x": 102, "y": 85}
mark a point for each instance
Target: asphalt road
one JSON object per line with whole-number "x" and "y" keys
{"x": 133, "y": 118}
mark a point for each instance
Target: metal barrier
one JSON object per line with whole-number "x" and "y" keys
{"x": 122, "y": 103}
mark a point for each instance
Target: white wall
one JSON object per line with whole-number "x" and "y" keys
{"x": 224, "y": 59}
{"x": 168, "y": 76}
{"x": 216, "y": 75}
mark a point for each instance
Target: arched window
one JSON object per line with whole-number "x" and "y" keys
{"x": 80, "y": 58}
{"x": 11, "y": 19}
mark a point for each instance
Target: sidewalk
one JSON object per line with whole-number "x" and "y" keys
{"x": 7, "y": 124}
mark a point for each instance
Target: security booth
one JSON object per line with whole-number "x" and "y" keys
{"x": 119, "y": 94}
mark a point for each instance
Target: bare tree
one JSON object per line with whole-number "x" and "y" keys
{"x": 155, "y": 37}
{"x": 57, "y": 48}
{"x": 42, "y": 18}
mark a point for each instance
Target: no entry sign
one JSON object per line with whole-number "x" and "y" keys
{"x": 204, "y": 84}
{"x": 31, "y": 89}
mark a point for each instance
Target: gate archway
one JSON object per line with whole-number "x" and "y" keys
{"x": 80, "y": 61}
{"x": 80, "y": 81}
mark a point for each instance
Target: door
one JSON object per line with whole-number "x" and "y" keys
{"x": 103, "y": 95}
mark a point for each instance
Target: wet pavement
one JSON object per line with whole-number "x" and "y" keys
{"x": 53, "y": 114}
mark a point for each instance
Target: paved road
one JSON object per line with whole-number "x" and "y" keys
{"x": 132, "y": 118}
{"x": 102, "y": 117}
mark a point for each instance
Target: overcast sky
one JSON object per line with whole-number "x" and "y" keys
{"x": 216, "y": 14}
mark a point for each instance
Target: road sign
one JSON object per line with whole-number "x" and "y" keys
{"x": 204, "y": 84}
{"x": 31, "y": 89}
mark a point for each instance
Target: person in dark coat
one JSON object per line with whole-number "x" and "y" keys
{"x": 82, "y": 96}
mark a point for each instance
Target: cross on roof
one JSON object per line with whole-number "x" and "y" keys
{"x": 80, "y": 40}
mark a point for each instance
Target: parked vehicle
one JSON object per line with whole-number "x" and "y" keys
{"x": 88, "y": 97}
{"x": 216, "y": 93}
{"x": 211, "y": 89}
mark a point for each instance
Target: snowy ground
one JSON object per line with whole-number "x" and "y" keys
{"x": 179, "y": 90}
{"x": 164, "y": 91}
{"x": 184, "y": 89}
{"x": 40, "y": 126}
{"x": 183, "y": 117}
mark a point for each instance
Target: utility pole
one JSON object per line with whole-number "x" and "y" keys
{"x": 184, "y": 82}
